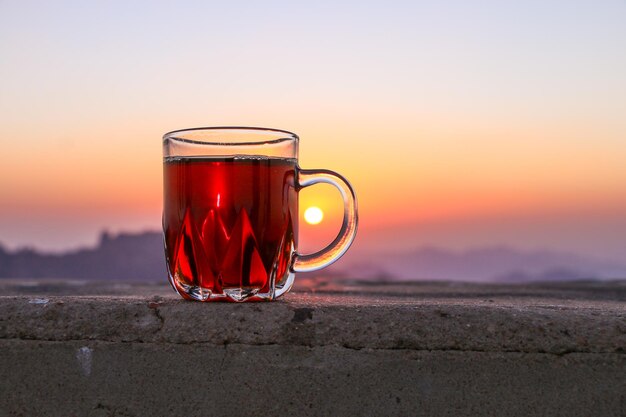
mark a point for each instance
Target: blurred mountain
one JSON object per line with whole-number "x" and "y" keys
{"x": 141, "y": 257}
{"x": 489, "y": 264}
{"x": 122, "y": 257}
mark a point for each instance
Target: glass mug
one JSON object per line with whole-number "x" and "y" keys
{"x": 230, "y": 213}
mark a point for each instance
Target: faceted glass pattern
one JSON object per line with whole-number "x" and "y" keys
{"x": 229, "y": 226}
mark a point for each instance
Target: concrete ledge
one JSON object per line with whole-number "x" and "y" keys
{"x": 326, "y": 349}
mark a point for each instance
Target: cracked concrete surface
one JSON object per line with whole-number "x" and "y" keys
{"x": 328, "y": 348}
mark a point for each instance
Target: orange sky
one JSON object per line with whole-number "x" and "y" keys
{"x": 452, "y": 132}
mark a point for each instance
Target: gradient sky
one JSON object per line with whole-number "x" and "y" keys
{"x": 459, "y": 124}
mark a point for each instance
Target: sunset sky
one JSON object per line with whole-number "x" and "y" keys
{"x": 460, "y": 124}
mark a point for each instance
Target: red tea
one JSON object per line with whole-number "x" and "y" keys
{"x": 230, "y": 225}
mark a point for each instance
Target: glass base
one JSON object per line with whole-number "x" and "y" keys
{"x": 232, "y": 294}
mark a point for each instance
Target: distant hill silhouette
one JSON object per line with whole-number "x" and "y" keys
{"x": 141, "y": 257}
{"x": 122, "y": 257}
{"x": 493, "y": 264}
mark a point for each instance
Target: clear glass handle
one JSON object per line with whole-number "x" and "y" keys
{"x": 339, "y": 246}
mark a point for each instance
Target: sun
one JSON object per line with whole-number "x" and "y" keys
{"x": 313, "y": 215}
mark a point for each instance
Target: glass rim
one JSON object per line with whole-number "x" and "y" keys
{"x": 249, "y": 129}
